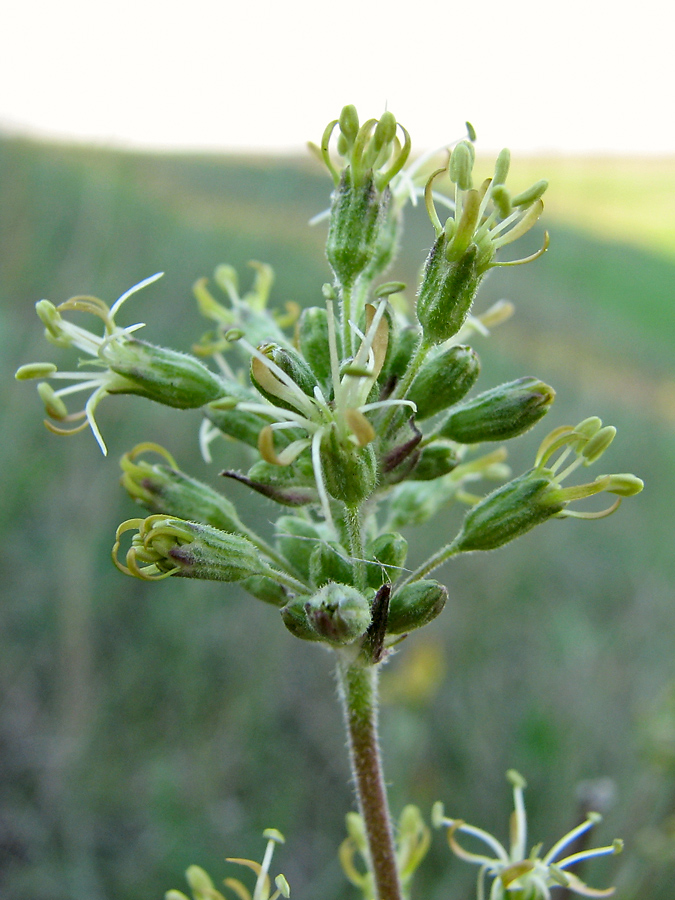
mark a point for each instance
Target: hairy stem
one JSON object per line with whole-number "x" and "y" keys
{"x": 357, "y": 683}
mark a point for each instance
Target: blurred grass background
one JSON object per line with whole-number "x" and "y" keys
{"x": 147, "y": 727}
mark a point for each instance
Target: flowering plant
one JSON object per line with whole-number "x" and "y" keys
{"x": 360, "y": 420}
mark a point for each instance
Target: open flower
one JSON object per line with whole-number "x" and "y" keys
{"x": 519, "y": 876}
{"x": 120, "y": 363}
{"x": 334, "y": 429}
{"x": 202, "y": 886}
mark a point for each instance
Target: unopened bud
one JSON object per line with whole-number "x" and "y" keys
{"x": 338, "y": 613}
{"x": 501, "y": 413}
{"x": 312, "y": 332}
{"x": 264, "y": 588}
{"x": 434, "y": 461}
{"x": 163, "y": 488}
{"x": 443, "y": 381}
{"x": 414, "y": 605}
{"x": 296, "y": 539}
{"x": 328, "y": 562}
{"x": 386, "y": 558}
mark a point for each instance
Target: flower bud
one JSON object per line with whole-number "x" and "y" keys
{"x": 386, "y": 557}
{"x": 444, "y": 380}
{"x": 292, "y": 364}
{"x": 264, "y": 588}
{"x": 312, "y": 332}
{"x": 499, "y": 414}
{"x": 292, "y": 485}
{"x": 447, "y": 291}
{"x": 358, "y": 213}
{"x": 328, "y": 562}
{"x": 508, "y": 512}
{"x": 403, "y": 344}
{"x": 415, "y": 605}
{"x": 350, "y": 472}
{"x": 162, "y": 488}
{"x": 165, "y": 376}
{"x": 169, "y": 546}
{"x": 434, "y": 461}
{"x": 338, "y": 613}
{"x": 294, "y": 617}
{"x": 296, "y": 538}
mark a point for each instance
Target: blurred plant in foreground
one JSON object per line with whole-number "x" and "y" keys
{"x": 359, "y": 420}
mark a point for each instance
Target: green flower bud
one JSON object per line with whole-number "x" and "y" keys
{"x": 292, "y": 364}
{"x": 508, "y": 512}
{"x": 386, "y": 557}
{"x": 403, "y": 346}
{"x": 296, "y": 539}
{"x": 444, "y": 380}
{"x": 312, "y": 333}
{"x": 165, "y": 376}
{"x": 169, "y": 546}
{"x": 350, "y": 472}
{"x": 165, "y": 489}
{"x": 294, "y": 617}
{"x": 433, "y": 462}
{"x": 292, "y": 485}
{"x": 415, "y": 605}
{"x": 241, "y": 425}
{"x": 358, "y": 213}
{"x": 447, "y": 291}
{"x": 328, "y": 562}
{"x": 338, "y": 613}
{"x": 266, "y": 589}
{"x": 501, "y": 413}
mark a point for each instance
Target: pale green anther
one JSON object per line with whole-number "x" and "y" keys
{"x": 531, "y": 195}
{"x": 438, "y": 815}
{"x": 617, "y": 845}
{"x": 343, "y": 145}
{"x": 328, "y": 291}
{"x": 199, "y": 880}
{"x": 461, "y": 164}
{"x": 349, "y": 123}
{"x": 501, "y": 167}
{"x": 54, "y": 405}
{"x": 34, "y": 370}
{"x": 175, "y": 895}
{"x": 516, "y": 779}
{"x": 471, "y": 131}
{"x": 597, "y": 445}
{"x": 385, "y": 130}
{"x": 594, "y": 817}
{"x": 282, "y": 886}
{"x": 391, "y": 287}
{"x": 356, "y": 829}
{"x": 467, "y": 226}
{"x": 227, "y": 279}
{"x": 624, "y": 485}
{"x": 501, "y": 197}
{"x": 47, "y": 314}
{"x": 233, "y": 335}
{"x": 273, "y": 834}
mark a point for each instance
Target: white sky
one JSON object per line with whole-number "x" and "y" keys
{"x": 537, "y": 76}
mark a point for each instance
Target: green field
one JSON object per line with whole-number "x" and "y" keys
{"x": 147, "y": 727}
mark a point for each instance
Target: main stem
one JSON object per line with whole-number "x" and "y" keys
{"x": 357, "y": 683}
